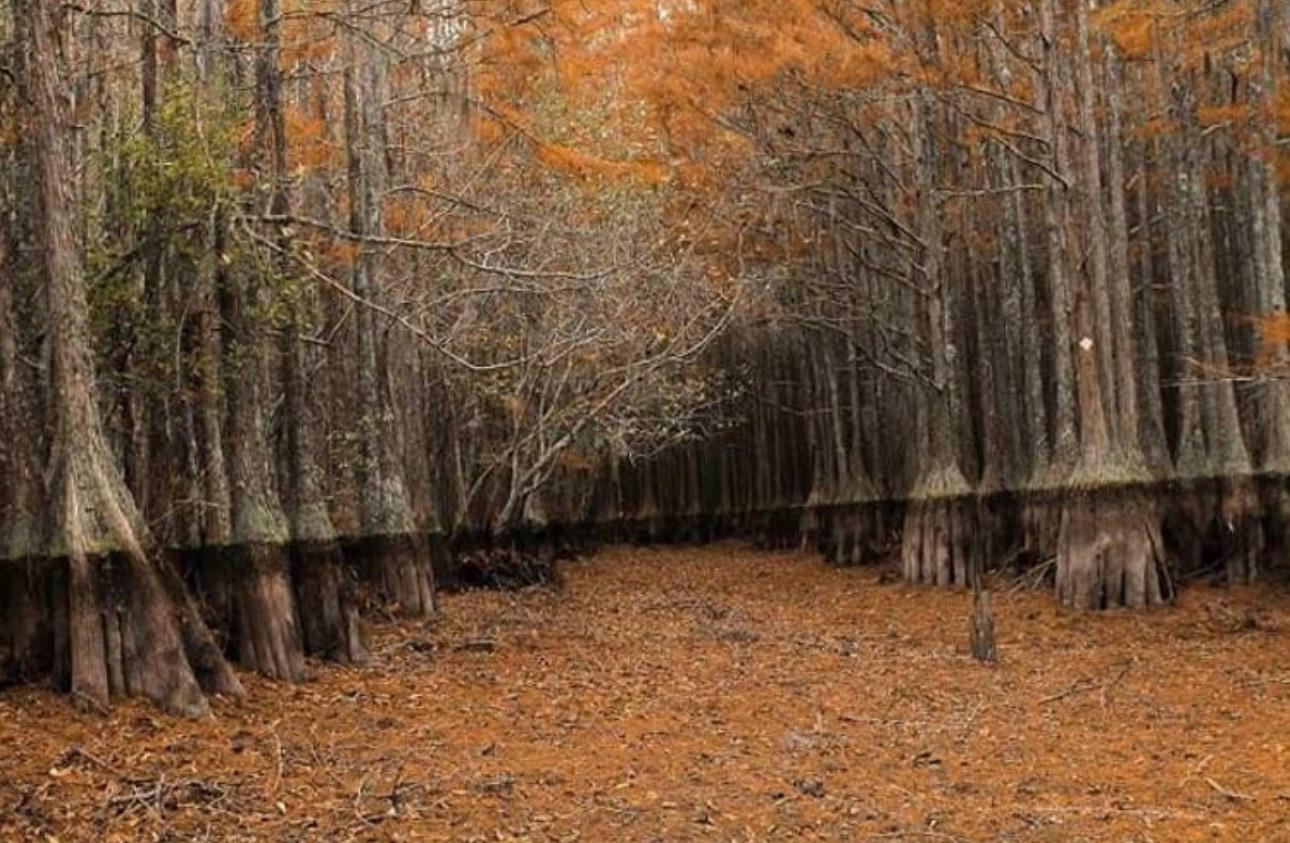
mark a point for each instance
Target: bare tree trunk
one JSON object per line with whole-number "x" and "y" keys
{"x": 148, "y": 640}
{"x": 328, "y": 613}
{"x": 939, "y": 539}
{"x": 25, "y": 637}
{"x": 395, "y": 557}
{"x": 1109, "y": 544}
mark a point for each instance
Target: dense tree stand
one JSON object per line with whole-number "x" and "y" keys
{"x": 280, "y": 295}
{"x": 121, "y": 622}
{"x": 1110, "y": 552}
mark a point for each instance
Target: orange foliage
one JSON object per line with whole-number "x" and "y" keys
{"x": 590, "y": 166}
{"x": 1132, "y": 26}
{"x": 343, "y": 253}
{"x": 1225, "y": 28}
{"x": 1154, "y": 128}
{"x": 406, "y": 217}
{"x": 309, "y": 148}
{"x": 1274, "y": 333}
{"x": 303, "y": 45}
{"x": 242, "y": 19}
{"x": 1234, "y": 113}
{"x": 623, "y": 60}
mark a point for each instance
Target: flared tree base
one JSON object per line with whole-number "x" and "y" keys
{"x": 247, "y": 590}
{"x": 399, "y": 568}
{"x": 326, "y": 603}
{"x": 107, "y": 627}
{"x": 940, "y": 544}
{"x": 1110, "y": 552}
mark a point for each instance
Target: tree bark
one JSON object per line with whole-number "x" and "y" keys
{"x": 394, "y": 556}
{"x": 130, "y": 628}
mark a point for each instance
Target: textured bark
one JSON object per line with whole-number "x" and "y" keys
{"x": 1189, "y": 450}
{"x": 1268, "y": 274}
{"x": 25, "y": 637}
{"x": 392, "y": 554}
{"x": 1109, "y": 551}
{"x": 939, "y": 541}
{"x": 1064, "y": 440}
{"x": 324, "y": 598}
{"x": 251, "y": 579}
{"x": 1124, "y": 328}
{"x": 1115, "y": 383}
{"x": 1151, "y": 412}
{"x": 123, "y": 626}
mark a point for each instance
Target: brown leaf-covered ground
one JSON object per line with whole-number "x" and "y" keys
{"x": 707, "y": 694}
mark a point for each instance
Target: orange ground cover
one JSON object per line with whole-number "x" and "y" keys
{"x": 707, "y": 694}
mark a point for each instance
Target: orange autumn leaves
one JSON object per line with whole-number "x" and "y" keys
{"x": 660, "y": 76}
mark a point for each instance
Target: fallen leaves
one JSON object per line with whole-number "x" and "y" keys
{"x": 705, "y": 694}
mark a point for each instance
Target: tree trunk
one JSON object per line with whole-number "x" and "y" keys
{"x": 939, "y": 538}
{"x": 392, "y": 553}
{"x": 1109, "y": 551}
{"x": 329, "y": 625}
{"x": 130, "y": 629}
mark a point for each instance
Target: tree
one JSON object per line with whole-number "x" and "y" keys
{"x": 123, "y": 623}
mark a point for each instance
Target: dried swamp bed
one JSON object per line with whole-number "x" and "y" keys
{"x": 714, "y": 693}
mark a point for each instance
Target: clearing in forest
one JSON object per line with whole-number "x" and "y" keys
{"x": 707, "y": 694}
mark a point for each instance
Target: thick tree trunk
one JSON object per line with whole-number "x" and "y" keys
{"x": 1109, "y": 551}
{"x": 127, "y": 627}
{"x": 324, "y": 597}
{"x": 393, "y": 555}
{"x": 25, "y": 637}
{"x": 939, "y": 539}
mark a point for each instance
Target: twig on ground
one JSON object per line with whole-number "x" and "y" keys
{"x": 1230, "y": 794}
{"x": 1084, "y": 685}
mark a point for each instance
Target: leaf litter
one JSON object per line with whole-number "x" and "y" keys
{"x": 714, "y": 693}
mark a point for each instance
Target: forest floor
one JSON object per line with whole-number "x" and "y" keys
{"x": 707, "y": 694}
